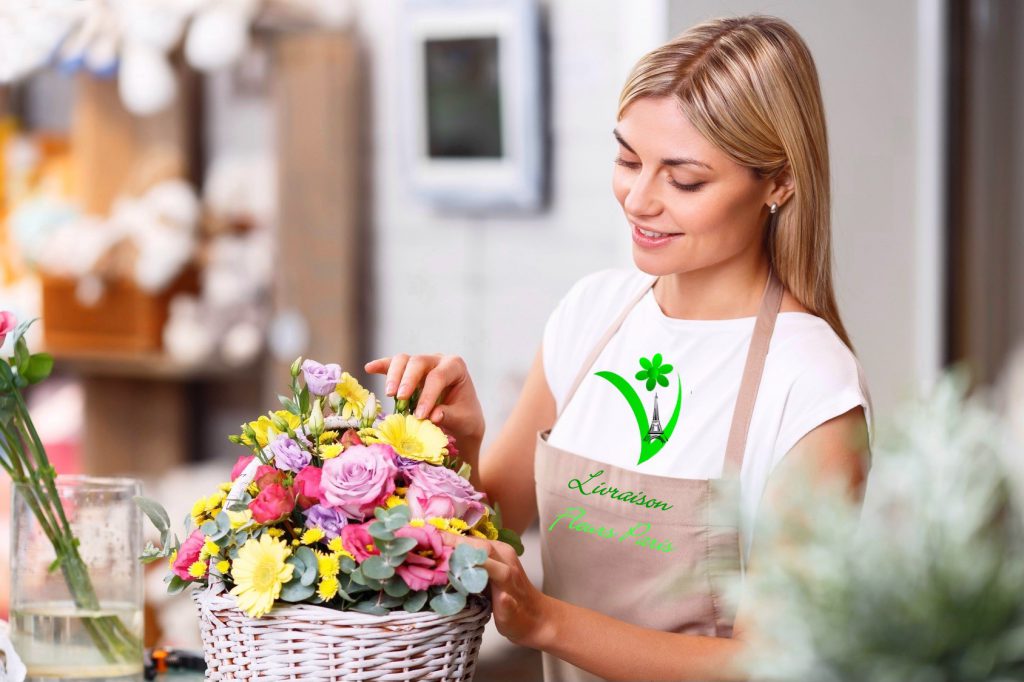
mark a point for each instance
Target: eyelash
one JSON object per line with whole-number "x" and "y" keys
{"x": 633, "y": 165}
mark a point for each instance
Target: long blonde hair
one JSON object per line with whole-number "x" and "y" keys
{"x": 750, "y": 87}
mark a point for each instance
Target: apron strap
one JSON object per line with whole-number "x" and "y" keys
{"x": 771, "y": 301}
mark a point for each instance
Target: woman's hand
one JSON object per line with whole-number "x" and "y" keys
{"x": 448, "y": 397}
{"x": 520, "y": 609}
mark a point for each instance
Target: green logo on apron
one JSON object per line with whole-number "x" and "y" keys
{"x": 653, "y": 373}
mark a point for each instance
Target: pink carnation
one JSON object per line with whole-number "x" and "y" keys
{"x": 427, "y": 563}
{"x": 188, "y": 554}
{"x": 7, "y": 324}
{"x": 356, "y": 538}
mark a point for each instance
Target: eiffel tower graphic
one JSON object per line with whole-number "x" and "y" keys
{"x": 655, "y": 432}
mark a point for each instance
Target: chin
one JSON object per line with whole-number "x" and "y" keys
{"x": 659, "y": 264}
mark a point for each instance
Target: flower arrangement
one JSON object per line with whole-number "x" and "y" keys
{"x": 337, "y": 505}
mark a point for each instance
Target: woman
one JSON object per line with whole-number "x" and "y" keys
{"x": 640, "y": 406}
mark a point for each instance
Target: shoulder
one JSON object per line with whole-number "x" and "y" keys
{"x": 821, "y": 378}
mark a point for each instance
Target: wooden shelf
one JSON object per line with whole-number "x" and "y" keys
{"x": 153, "y": 366}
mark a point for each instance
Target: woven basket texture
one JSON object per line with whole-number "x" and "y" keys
{"x": 310, "y": 642}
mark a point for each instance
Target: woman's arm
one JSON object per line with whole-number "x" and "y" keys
{"x": 617, "y": 650}
{"x": 448, "y": 398}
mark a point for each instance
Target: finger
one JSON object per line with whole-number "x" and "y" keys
{"x": 499, "y": 572}
{"x": 395, "y": 371}
{"x": 437, "y": 379}
{"x": 415, "y": 370}
{"x": 378, "y": 366}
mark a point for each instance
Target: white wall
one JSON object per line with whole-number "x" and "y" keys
{"x": 483, "y": 288}
{"x": 877, "y": 65}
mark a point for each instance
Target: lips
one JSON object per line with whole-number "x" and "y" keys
{"x": 652, "y": 238}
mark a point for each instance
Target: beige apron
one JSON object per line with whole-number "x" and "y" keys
{"x": 659, "y": 560}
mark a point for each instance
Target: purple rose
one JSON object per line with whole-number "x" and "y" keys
{"x": 439, "y": 491}
{"x": 321, "y": 379}
{"x": 288, "y": 456}
{"x": 362, "y": 478}
{"x": 330, "y": 520}
{"x": 404, "y": 464}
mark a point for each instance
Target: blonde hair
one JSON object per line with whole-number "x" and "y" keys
{"x": 750, "y": 87}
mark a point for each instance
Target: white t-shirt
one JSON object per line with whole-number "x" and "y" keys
{"x": 810, "y": 376}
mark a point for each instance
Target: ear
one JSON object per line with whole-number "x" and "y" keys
{"x": 782, "y": 186}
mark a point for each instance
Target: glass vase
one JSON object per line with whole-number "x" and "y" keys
{"x": 76, "y": 611}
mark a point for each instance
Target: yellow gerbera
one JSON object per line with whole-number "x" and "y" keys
{"x": 259, "y": 572}
{"x": 410, "y": 437}
{"x": 354, "y": 395}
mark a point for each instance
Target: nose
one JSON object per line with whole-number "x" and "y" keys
{"x": 642, "y": 198}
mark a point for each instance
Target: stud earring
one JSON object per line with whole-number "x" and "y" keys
{"x": 774, "y": 207}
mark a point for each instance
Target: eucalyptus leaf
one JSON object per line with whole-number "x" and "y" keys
{"x": 474, "y": 579}
{"x": 416, "y": 601}
{"x": 39, "y": 367}
{"x": 396, "y": 587}
{"x": 376, "y": 567}
{"x": 370, "y": 606}
{"x": 448, "y": 603}
{"x": 457, "y": 584}
{"x": 400, "y": 546}
{"x": 154, "y": 511}
{"x": 295, "y": 590}
{"x": 310, "y": 565}
{"x": 510, "y": 537}
{"x": 380, "y": 532}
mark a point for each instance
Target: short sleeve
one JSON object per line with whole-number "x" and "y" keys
{"x": 552, "y": 350}
{"x": 830, "y": 383}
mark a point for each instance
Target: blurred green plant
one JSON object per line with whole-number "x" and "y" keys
{"x": 925, "y": 583}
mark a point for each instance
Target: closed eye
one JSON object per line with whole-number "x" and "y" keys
{"x": 633, "y": 165}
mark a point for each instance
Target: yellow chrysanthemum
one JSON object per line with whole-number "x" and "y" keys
{"x": 417, "y": 523}
{"x": 275, "y": 532}
{"x": 253, "y": 489}
{"x": 354, "y": 395}
{"x": 224, "y": 566}
{"x": 331, "y": 451}
{"x": 226, "y": 486}
{"x": 438, "y": 522}
{"x": 206, "y": 508}
{"x": 328, "y": 564}
{"x": 328, "y": 588}
{"x": 335, "y": 545}
{"x": 485, "y": 529}
{"x": 296, "y": 542}
{"x": 328, "y": 437}
{"x": 238, "y": 519}
{"x": 197, "y": 569}
{"x": 172, "y": 558}
{"x": 411, "y": 437}
{"x": 209, "y": 549}
{"x": 401, "y": 490}
{"x": 312, "y": 535}
{"x": 393, "y": 501}
{"x": 259, "y": 572}
{"x": 458, "y": 525}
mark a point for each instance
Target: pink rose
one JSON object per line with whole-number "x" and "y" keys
{"x": 272, "y": 504}
{"x": 188, "y": 554}
{"x": 243, "y": 461}
{"x": 427, "y": 563}
{"x": 307, "y": 485}
{"x": 7, "y": 324}
{"x": 439, "y": 491}
{"x": 267, "y": 476}
{"x": 350, "y": 438}
{"x": 360, "y": 480}
{"x": 357, "y": 539}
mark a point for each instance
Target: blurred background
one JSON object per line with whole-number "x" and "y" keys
{"x": 193, "y": 193}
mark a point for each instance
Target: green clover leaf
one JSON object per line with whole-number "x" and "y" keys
{"x": 653, "y": 372}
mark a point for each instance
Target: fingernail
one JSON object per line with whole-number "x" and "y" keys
{"x": 389, "y": 388}
{"x": 438, "y": 415}
{"x": 419, "y": 412}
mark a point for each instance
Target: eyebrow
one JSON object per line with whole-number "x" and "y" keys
{"x": 683, "y": 161}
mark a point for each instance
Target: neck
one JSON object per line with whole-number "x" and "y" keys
{"x": 720, "y": 292}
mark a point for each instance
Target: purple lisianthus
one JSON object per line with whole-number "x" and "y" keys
{"x": 359, "y": 480}
{"x": 321, "y": 379}
{"x": 326, "y": 518}
{"x": 439, "y": 491}
{"x": 288, "y": 456}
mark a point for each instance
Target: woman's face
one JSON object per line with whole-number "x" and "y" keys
{"x": 669, "y": 180}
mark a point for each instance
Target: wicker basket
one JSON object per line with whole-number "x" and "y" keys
{"x": 309, "y": 642}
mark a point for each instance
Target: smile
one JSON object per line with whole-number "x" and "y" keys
{"x": 650, "y": 238}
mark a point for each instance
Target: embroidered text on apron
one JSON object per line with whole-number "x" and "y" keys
{"x": 660, "y": 566}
